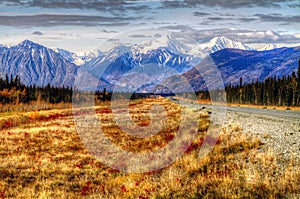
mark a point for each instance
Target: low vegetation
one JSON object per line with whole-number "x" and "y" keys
{"x": 42, "y": 156}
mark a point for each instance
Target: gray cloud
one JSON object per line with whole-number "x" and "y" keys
{"x": 177, "y": 27}
{"x": 113, "y": 40}
{"x": 173, "y": 4}
{"x": 238, "y": 19}
{"x": 157, "y": 35}
{"x": 246, "y": 36}
{"x": 37, "y": 33}
{"x": 296, "y": 5}
{"x": 285, "y": 24}
{"x": 247, "y": 19}
{"x": 200, "y": 14}
{"x": 115, "y": 6}
{"x": 219, "y": 18}
{"x": 109, "y": 31}
{"x": 48, "y": 20}
{"x": 225, "y": 4}
{"x": 138, "y": 36}
{"x": 278, "y": 18}
{"x": 273, "y": 17}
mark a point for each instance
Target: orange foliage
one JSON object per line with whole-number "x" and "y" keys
{"x": 34, "y": 115}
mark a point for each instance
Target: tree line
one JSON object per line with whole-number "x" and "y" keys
{"x": 280, "y": 91}
{"x": 12, "y": 91}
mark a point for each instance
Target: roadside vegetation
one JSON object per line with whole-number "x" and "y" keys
{"x": 42, "y": 156}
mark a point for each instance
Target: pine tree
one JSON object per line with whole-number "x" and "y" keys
{"x": 298, "y": 84}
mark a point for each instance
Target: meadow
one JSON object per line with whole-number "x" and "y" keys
{"x": 42, "y": 156}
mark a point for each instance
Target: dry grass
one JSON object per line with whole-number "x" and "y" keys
{"x": 43, "y": 157}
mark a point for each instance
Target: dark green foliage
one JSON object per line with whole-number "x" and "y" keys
{"x": 283, "y": 91}
{"x": 12, "y": 91}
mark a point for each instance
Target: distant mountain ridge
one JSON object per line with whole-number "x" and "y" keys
{"x": 170, "y": 42}
{"x": 192, "y": 47}
{"x": 173, "y": 44}
{"x": 123, "y": 64}
{"x": 271, "y": 47}
{"x": 39, "y": 65}
{"x": 234, "y": 64}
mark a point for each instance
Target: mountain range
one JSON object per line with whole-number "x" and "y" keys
{"x": 143, "y": 67}
{"x": 179, "y": 46}
{"x": 234, "y": 64}
{"x": 36, "y": 65}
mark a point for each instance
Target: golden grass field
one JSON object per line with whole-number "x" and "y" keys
{"x": 42, "y": 156}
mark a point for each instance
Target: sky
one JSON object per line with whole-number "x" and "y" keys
{"x": 85, "y": 25}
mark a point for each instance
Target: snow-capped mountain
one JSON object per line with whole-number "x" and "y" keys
{"x": 219, "y": 43}
{"x": 192, "y": 47}
{"x": 89, "y": 55}
{"x": 270, "y": 47}
{"x": 37, "y": 65}
{"x": 250, "y": 65}
{"x": 98, "y": 64}
{"x": 70, "y": 56}
{"x": 143, "y": 67}
{"x": 216, "y": 44}
{"x": 78, "y": 59}
{"x": 4, "y": 46}
{"x": 167, "y": 41}
{"x": 122, "y": 64}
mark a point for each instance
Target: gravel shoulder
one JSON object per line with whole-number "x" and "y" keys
{"x": 279, "y": 130}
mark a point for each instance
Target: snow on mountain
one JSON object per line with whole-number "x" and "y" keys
{"x": 89, "y": 55}
{"x": 118, "y": 57}
{"x": 98, "y": 63}
{"x": 190, "y": 47}
{"x": 271, "y": 47}
{"x": 219, "y": 43}
{"x": 37, "y": 65}
{"x": 4, "y": 46}
{"x": 250, "y": 65}
{"x": 122, "y": 64}
{"x": 216, "y": 44}
{"x": 142, "y": 65}
{"x": 70, "y": 56}
{"x": 168, "y": 41}
{"x": 78, "y": 59}
{"x": 153, "y": 55}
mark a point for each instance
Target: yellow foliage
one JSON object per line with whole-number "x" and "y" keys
{"x": 34, "y": 115}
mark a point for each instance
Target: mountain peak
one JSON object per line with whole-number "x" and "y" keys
{"x": 3, "y": 46}
{"x": 222, "y": 42}
{"x": 37, "y": 65}
{"x": 28, "y": 43}
{"x": 220, "y": 38}
{"x": 271, "y": 46}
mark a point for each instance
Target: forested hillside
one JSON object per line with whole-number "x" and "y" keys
{"x": 283, "y": 91}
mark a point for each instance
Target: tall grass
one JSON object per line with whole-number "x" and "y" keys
{"x": 43, "y": 157}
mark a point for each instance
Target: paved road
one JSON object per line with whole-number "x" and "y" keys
{"x": 279, "y": 114}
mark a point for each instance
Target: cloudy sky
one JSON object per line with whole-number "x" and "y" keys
{"x": 82, "y": 25}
